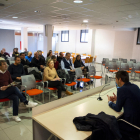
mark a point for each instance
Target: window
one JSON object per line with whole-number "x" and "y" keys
{"x": 138, "y": 37}
{"x": 64, "y": 36}
{"x": 84, "y": 36}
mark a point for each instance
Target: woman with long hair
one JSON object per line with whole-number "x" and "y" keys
{"x": 78, "y": 63}
{"x": 51, "y": 76}
{"x": 15, "y": 52}
{"x": 49, "y": 55}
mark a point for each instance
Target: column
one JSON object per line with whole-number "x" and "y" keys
{"x": 93, "y": 43}
{"x": 47, "y": 36}
{"x": 24, "y": 38}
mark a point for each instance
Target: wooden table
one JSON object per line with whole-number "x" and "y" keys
{"x": 57, "y": 117}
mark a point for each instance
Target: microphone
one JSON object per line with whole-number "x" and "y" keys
{"x": 100, "y": 98}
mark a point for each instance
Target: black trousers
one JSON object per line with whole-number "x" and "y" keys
{"x": 58, "y": 85}
{"x": 14, "y": 94}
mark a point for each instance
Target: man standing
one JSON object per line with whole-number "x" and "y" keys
{"x": 11, "y": 92}
{"x": 16, "y": 70}
{"x": 128, "y": 97}
{"x": 29, "y": 57}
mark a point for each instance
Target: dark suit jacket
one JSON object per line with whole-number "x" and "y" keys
{"x": 128, "y": 97}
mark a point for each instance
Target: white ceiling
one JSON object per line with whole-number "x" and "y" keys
{"x": 64, "y": 14}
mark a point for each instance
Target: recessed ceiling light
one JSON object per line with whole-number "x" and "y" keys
{"x": 78, "y": 1}
{"x": 14, "y": 17}
{"x": 85, "y": 21}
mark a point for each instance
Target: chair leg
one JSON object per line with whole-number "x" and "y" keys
{"x": 135, "y": 76}
{"x": 94, "y": 82}
{"x": 9, "y": 104}
{"x": 49, "y": 96}
{"x": 101, "y": 81}
{"x": 43, "y": 97}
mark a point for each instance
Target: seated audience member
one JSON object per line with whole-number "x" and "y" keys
{"x": 15, "y": 52}
{"x": 25, "y": 51}
{"x": 16, "y": 70}
{"x": 78, "y": 63}
{"x": 49, "y": 55}
{"x": 29, "y": 57}
{"x": 60, "y": 57}
{"x": 11, "y": 92}
{"x": 26, "y": 64}
{"x": 128, "y": 97}
{"x": 6, "y": 53}
{"x": 51, "y": 76}
{"x": 36, "y": 62}
{"x": 2, "y": 54}
{"x": 66, "y": 63}
{"x": 23, "y": 60}
{"x": 56, "y": 63}
{"x": 41, "y": 57}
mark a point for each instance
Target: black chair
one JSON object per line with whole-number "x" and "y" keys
{"x": 131, "y": 135}
{"x": 134, "y": 60}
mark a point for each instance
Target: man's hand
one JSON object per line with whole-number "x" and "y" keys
{"x": 112, "y": 98}
{"x": 82, "y": 68}
{"x": 4, "y": 88}
{"x": 18, "y": 78}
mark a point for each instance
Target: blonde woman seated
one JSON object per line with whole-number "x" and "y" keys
{"x": 51, "y": 76}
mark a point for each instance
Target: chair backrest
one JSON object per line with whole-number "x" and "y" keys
{"x": 120, "y": 59}
{"x": 32, "y": 68}
{"x": 90, "y": 59}
{"x": 73, "y": 60}
{"x": 29, "y": 81}
{"x": 124, "y": 66}
{"x": 103, "y": 61}
{"x": 91, "y": 70}
{"x": 137, "y": 66}
{"x": 134, "y": 60}
{"x": 112, "y": 65}
{"x": 106, "y": 62}
{"x": 11, "y": 62}
{"x": 11, "y": 58}
{"x": 124, "y": 60}
{"x": 78, "y": 72}
{"x": 118, "y": 63}
{"x": 87, "y": 60}
{"x": 130, "y": 63}
{"x": 114, "y": 59}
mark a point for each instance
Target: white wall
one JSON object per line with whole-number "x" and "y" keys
{"x": 136, "y": 48}
{"x": 17, "y": 42}
{"x": 104, "y": 44}
{"x": 7, "y": 40}
{"x": 115, "y": 44}
{"x": 123, "y": 44}
{"x": 74, "y": 44}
